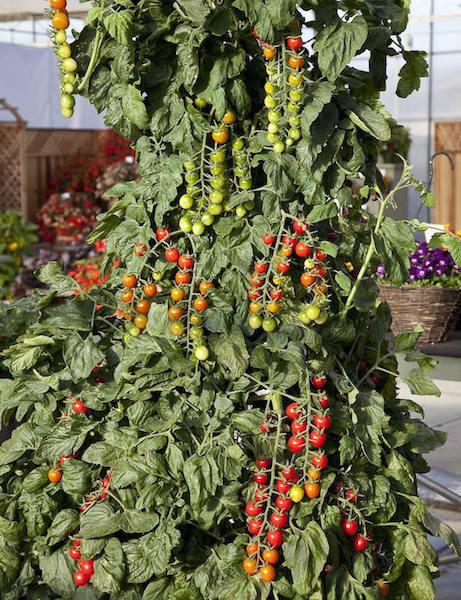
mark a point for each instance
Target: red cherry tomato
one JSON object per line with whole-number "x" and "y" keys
{"x": 79, "y": 407}
{"x": 283, "y": 487}
{"x": 252, "y": 510}
{"x": 322, "y": 421}
{"x": 172, "y": 255}
{"x": 274, "y": 538}
{"x": 86, "y": 566}
{"x": 255, "y": 526}
{"x": 317, "y": 439}
{"x": 290, "y": 474}
{"x": 261, "y": 267}
{"x": 350, "y": 528}
{"x": 320, "y": 255}
{"x": 352, "y": 495}
{"x": 302, "y": 249}
{"x": 260, "y": 495}
{"x": 279, "y": 520}
{"x": 291, "y": 242}
{"x": 277, "y": 294}
{"x": 320, "y": 461}
{"x": 283, "y": 267}
{"x": 298, "y": 427}
{"x": 75, "y": 553}
{"x": 284, "y": 504}
{"x": 260, "y": 478}
{"x": 162, "y": 233}
{"x": 300, "y": 227}
{"x": 360, "y": 543}
{"x": 185, "y": 262}
{"x": 265, "y": 426}
{"x": 324, "y": 401}
{"x": 296, "y": 444}
{"x": 81, "y": 578}
{"x": 319, "y": 381}
{"x": 254, "y": 294}
{"x": 293, "y": 411}
{"x": 263, "y": 462}
{"x": 268, "y": 239}
{"x": 295, "y": 43}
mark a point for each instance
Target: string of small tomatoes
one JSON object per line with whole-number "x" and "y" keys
{"x": 270, "y": 280}
{"x": 284, "y": 91}
{"x": 68, "y": 65}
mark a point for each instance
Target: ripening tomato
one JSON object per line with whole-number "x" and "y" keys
{"x": 256, "y": 280}
{"x": 55, "y": 475}
{"x": 254, "y": 294}
{"x": 383, "y": 588}
{"x": 324, "y": 401}
{"x": 79, "y": 407}
{"x": 295, "y": 43}
{"x": 81, "y": 578}
{"x": 320, "y": 290}
{"x": 255, "y": 526}
{"x": 271, "y": 556}
{"x": 139, "y": 249}
{"x": 320, "y": 271}
{"x": 252, "y": 510}
{"x": 150, "y": 289}
{"x": 296, "y": 444}
{"x": 320, "y": 255}
{"x": 320, "y": 461}
{"x": 270, "y": 52}
{"x": 360, "y": 543}
{"x": 229, "y": 117}
{"x": 178, "y": 329}
{"x": 221, "y": 135}
{"x": 298, "y": 427}
{"x": 273, "y": 307}
{"x": 143, "y": 307}
{"x": 255, "y": 307}
{"x": 58, "y": 4}
{"x": 312, "y": 490}
{"x": 260, "y": 478}
{"x": 317, "y": 439}
{"x": 60, "y": 20}
{"x": 268, "y": 239}
{"x": 176, "y": 294}
{"x": 75, "y": 553}
{"x": 140, "y": 321}
{"x": 162, "y": 233}
{"x": 296, "y": 494}
{"x": 314, "y": 474}
{"x": 87, "y": 566}
{"x": 284, "y": 504}
{"x": 322, "y": 421}
{"x": 127, "y": 296}
{"x": 185, "y": 262}
{"x": 350, "y": 528}
{"x": 252, "y": 548}
{"x": 267, "y": 573}
{"x": 182, "y": 278}
{"x": 250, "y": 566}
{"x": 172, "y": 255}
{"x": 283, "y": 487}
{"x": 279, "y": 520}
{"x": 300, "y": 227}
{"x": 286, "y": 251}
{"x": 205, "y": 287}
{"x": 307, "y": 279}
{"x": 352, "y": 495}
{"x": 175, "y": 313}
{"x": 296, "y": 62}
{"x": 274, "y": 538}
{"x": 200, "y": 304}
{"x": 293, "y": 411}
{"x": 319, "y": 381}
{"x": 276, "y": 294}
{"x": 129, "y": 281}
{"x": 302, "y": 249}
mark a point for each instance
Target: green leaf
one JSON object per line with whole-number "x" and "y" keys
{"x": 420, "y": 383}
{"x": 337, "y": 45}
{"x": 321, "y": 212}
{"x": 52, "y": 274}
{"x": 99, "y": 521}
{"x": 248, "y": 420}
{"x": 418, "y": 550}
{"x": 109, "y": 569}
{"x": 343, "y": 281}
{"x": 57, "y": 571}
{"x": 81, "y": 356}
{"x": 369, "y": 419}
{"x": 231, "y": 352}
{"x": 407, "y": 341}
{"x": 410, "y": 74}
{"x": 134, "y": 108}
{"x": 420, "y": 584}
{"x": 371, "y": 121}
{"x": 305, "y": 555}
{"x": 118, "y": 25}
{"x": 64, "y": 523}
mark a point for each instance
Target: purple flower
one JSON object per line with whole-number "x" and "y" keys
{"x": 421, "y": 273}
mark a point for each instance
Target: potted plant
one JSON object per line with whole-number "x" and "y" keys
{"x": 432, "y": 296}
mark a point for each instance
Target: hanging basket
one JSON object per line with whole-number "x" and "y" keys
{"x": 435, "y": 309}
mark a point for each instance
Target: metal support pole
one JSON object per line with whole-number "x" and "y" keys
{"x": 439, "y": 489}
{"x": 430, "y": 95}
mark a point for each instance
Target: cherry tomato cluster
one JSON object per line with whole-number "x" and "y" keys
{"x": 270, "y": 279}
{"x": 285, "y": 72}
{"x": 347, "y": 498}
{"x": 85, "y": 567}
{"x": 136, "y": 304}
{"x": 68, "y": 65}
{"x": 183, "y": 298}
{"x": 242, "y": 172}
{"x": 98, "y": 495}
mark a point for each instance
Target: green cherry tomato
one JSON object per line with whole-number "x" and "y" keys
{"x": 189, "y": 165}
{"x": 60, "y": 36}
{"x": 295, "y": 121}
{"x": 68, "y": 88}
{"x": 309, "y": 264}
{"x": 240, "y": 211}
{"x": 200, "y": 102}
{"x": 269, "y": 325}
{"x": 201, "y": 353}
{"x": 192, "y": 190}
{"x": 69, "y": 65}
{"x": 245, "y": 184}
{"x": 134, "y": 331}
{"x": 323, "y": 318}
{"x": 240, "y": 159}
{"x": 196, "y": 332}
{"x": 273, "y": 128}
{"x": 67, "y": 101}
{"x": 216, "y": 197}
{"x": 271, "y": 70}
{"x": 185, "y": 224}
{"x": 215, "y": 209}
{"x": 270, "y": 88}
{"x": 274, "y": 116}
{"x": 67, "y": 112}
{"x": 272, "y": 138}
{"x": 198, "y": 228}
{"x": 207, "y": 219}
{"x": 304, "y": 318}
{"x": 255, "y": 321}
{"x": 293, "y": 107}
{"x": 191, "y": 178}
{"x": 279, "y": 147}
{"x": 313, "y": 312}
{"x": 64, "y": 51}
{"x": 126, "y": 337}
{"x": 249, "y": 205}
{"x": 186, "y": 201}
{"x": 217, "y": 183}
{"x": 270, "y": 102}
{"x": 218, "y": 156}
{"x": 289, "y": 142}
{"x": 295, "y": 133}
{"x": 296, "y": 95}
{"x": 218, "y": 170}
{"x": 238, "y": 145}
{"x": 69, "y": 78}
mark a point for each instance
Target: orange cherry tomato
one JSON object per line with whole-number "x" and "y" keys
{"x": 312, "y": 490}
{"x": 256, "y": 307}
{"x": 270, "y": 52}
{"x": 182, "y": 278}
{"x": 177, "y": 294}
{"x": 140, "y": 321}
{"x": 54, "y": 475}
{"x": 287, "y": 251}
{"x": 175, "y": 313}
{"x": 296, "y": 62}
{"x": 267, "y": 573}
{"x": 252, "y": 548}
{"x": 314, "y": 474}
{"x": 383, "y": 588}
{"x": 220, "y": 136}
{"x": 143, "y": 306}
{"x": 307, "y": 279}
{"x": 127, "y": 296}
{"x": 200, "y": 304}
{"x": 205, "y": 286}
{"x": 271, "y": 556}
{"x": 58, "y": 4}
{"x": 320, "y": 290}
{"x": 129, "y": 281}
{"x": 60, "y": 20}
{"x": 150, "y": 289}
{"x": 250, "y": 566}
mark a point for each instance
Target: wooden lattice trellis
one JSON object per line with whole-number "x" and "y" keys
{"x": 447, "y": 182}
{"x": 12, "y": 180}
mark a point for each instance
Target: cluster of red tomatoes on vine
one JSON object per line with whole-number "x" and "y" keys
{"x": 68, "y": 65}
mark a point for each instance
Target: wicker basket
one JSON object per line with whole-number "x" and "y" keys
{"x": 435, "y": 309}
